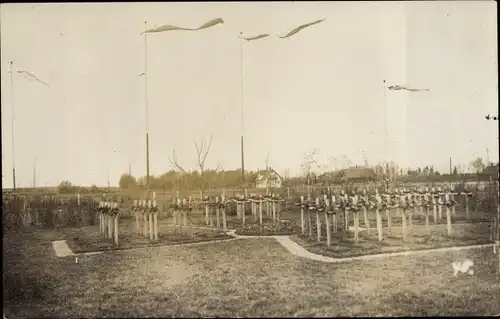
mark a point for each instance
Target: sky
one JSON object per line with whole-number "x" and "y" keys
{"x": 319, "y": 89}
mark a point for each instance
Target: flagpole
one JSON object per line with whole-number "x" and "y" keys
{"x": 34, "y": 174}
{"x": 146, "y": 101}
{"x": 12, "y": 126}
{"x": 385, "y": 128}
{"x": 241, "y": 115}
{"x": 497, "y": 239}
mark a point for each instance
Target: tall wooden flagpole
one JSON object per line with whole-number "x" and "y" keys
{"x": 34, "y": 174}
{"x": 241, "y": 114}
{"x": 146, "y": 101}
{"x": 386, "y": 134}
{"x": 12, "y": 127}
{"x": 163, "y": 28}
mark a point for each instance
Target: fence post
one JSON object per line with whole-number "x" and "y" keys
{"x": 356, "y": 220}
{"x": 243, "y": 211}
{"x": 155, "y": 220}
{"x": 110, "y": 222}
{"x": 334, "y": 215}
{"x": 185, "y": 217}
{"x": 116, "y": 225}
{"x": 224, "y": 222}
{"x": 145, "y": 219}
{"x": 448, "y": 215}
{"x": 327, "y": 222}
{"x": 379, "y": 218}
{"x": 318, "y": 222}
{"x": 365, "y": 213}
{"x": 434, "y": 208}
{"x": 260, "y": 211}
{"x": 206, "y": 213}
{"x": 302, "y": 222}
{"x": 217, "y": 212}
{"x": 150, "y": 220}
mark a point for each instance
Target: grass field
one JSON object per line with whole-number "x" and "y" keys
{"x": 254, "y": 277}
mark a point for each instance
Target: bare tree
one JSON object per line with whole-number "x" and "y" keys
{"x": 478, "y": 165}
{"x": 175, "y": 163}
{"x": 220, "y": 168}
{"x": 202, "y": 152}
{"x": 308, "y": 164}
{"x": 309, "y": 161}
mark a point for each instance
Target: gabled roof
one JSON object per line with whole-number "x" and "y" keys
{"x": 491, "y": 170}
{"x": 352, "y": 173}
{"x": 265, "y": 174}
{"x": 359, "y": 173}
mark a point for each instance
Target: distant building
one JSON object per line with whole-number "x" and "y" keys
{"x": 268, "y": 178}
{"x": 359, "y": 174}
{"x": 352, "y": 175}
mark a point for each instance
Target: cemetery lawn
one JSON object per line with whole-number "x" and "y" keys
{"x": 269, "y": 228}
{"x": 250, "y": 278}
{"x": 87, "y": 239}
{"x": 417, "y": 239}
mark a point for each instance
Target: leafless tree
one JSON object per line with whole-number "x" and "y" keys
{"x": 175, "y": 162}
{"x": 220, "y": 168}
{"x": 202, "y": 151}
{"x": 309, "y": 161}
{"x": 478, "y": 165}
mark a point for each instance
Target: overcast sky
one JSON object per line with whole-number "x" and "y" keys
{"x": 319, "y": 89}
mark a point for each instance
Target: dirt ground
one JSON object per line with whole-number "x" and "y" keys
{"x": 251, "y": 278}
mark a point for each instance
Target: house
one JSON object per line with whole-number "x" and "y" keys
{"x": 268, "y": 178}
{"x": 359, "y": 174}
{"x": 353, "y": 175}
{"x": 331, "y": 177}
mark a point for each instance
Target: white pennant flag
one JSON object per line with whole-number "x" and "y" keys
{"x": 256, "y": 37}
{"x": 402, "y": 87}
{"x": 31, "y": 77}
{"x": 297, "y": 29}
{"x": 169, "y": 27}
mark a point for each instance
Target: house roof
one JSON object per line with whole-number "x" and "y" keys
{"x": 490, "y": 171}
{"x": 331, "y": 176}
{"x": 352, "y": 173}
{"x": 359, "y": 173}
{"x": 267, "y": 173}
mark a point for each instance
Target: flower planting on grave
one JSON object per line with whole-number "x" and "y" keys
{"x": 149, "y": 227}
{"x": 332, "y": 226}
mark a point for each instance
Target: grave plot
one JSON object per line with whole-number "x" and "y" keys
{"x": 146, "y": 229}
{"x": 342, "y": 227}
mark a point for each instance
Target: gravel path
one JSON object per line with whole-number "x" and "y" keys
{"x": 297, "y": 250}
{"x": 62, "y": 249}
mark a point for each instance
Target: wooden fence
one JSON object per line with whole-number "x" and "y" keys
{"x": 21, "y": 213}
